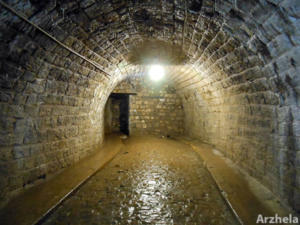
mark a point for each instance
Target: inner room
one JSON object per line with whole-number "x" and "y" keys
{"x": 149, "y": 112}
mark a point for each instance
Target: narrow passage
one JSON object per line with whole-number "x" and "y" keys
{"x": 151, "y": 181}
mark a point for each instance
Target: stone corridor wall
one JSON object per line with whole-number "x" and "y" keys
{"x": 251, "y": 114}
{"x": 51, "y": 106}
{"x": 155, "y": 109}
{"x": 48, "y": 122}
{"x": 263, "y": 139}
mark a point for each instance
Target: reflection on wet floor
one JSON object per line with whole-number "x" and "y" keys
{"x": 151, "y": 181}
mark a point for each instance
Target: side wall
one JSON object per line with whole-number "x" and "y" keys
{"x": 51, "y": 106}
{"x": 258, "y": 132}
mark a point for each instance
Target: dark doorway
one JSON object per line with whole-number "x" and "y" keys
{"x": 124, "y": 115}
{"x": 123, "y": 100}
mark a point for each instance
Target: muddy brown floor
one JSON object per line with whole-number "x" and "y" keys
{"x": 151, "y": 181}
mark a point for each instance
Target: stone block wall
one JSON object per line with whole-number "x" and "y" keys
{"x": 51, "y": 105}
{"x": 161, "y": 115}
{"x": 243, "y": 92}
{"x": 263, "y": 139}
{"x": 155, "y": 109}
{"x": 249, "y": 110}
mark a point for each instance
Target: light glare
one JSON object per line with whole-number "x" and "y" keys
{"x": 156, "y": 72}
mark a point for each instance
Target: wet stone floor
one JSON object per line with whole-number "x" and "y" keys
{"x": 151, "y": 181}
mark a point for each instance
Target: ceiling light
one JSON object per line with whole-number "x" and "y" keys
{"x": 156, "y": 72}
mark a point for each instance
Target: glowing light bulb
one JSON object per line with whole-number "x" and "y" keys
{"x": 156, "y": 72}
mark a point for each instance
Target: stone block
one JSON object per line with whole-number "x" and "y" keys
{"x": 21, "y": 151}
{"x": 279, "y": 45}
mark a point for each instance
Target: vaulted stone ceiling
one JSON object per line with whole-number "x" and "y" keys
{"x": 234, "y": 62}
{"x": 218, "y": 38}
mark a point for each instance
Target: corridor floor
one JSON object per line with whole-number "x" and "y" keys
{"x": 151, "y": 181}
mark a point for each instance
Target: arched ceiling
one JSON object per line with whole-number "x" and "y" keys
{"x": 202, "y": 41}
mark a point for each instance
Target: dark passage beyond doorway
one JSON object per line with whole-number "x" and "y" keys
{"x": 123, "y": 103}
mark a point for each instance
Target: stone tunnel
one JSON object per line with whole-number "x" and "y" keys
{"x": 74, "y": 76}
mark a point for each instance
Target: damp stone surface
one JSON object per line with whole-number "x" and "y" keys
{"x": 151, "y": 181}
